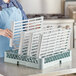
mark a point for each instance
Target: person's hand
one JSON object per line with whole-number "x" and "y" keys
{"x": 6, "y": 1}
{"x": 6, "y": 33}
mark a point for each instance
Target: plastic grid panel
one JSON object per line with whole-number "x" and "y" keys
{"x": 29, "y": 43}
{"x": 45, "y": 43}
{"x": 24, "y": 25}
{"x": 54, "y": 41}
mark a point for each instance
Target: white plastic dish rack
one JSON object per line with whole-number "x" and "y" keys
{"x": 39, "y": 47}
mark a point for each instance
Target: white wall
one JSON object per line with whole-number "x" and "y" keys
{"x": 41, "y": 6}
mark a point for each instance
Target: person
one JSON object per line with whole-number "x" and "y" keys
{"x": 10, "y": 11}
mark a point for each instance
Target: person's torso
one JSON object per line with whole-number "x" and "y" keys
{"x": 7, "y": 16}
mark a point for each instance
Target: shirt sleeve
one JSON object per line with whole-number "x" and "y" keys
{"x": 21, "y": 8}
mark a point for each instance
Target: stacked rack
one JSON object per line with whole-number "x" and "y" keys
{"x": 39, "y": 46}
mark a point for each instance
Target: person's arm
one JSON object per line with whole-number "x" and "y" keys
{"x": 21, "y": 8}
{"x": 6, "y": 33}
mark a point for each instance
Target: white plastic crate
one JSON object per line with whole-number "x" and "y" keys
{"x": 24, "y": 25}
{"x": 41, "y": 48}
